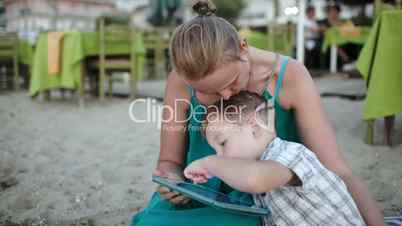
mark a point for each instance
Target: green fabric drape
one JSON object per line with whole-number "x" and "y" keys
{"x": 76, "y": 46}
{"x": 25, "y": 52}
{"x": 380, "y": 63}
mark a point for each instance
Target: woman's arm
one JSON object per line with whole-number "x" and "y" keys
{"x": 299, "y": 93}
{"x": 173, "y": 134}
{"x": 245, "y": 175}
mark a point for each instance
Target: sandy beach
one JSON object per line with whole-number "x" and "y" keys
{"x": 62, "y": 165}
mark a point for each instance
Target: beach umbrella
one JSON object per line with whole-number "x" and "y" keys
{"x": 300, "y": 30}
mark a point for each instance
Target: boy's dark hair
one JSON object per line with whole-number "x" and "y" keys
{"x": 237, "y": 108}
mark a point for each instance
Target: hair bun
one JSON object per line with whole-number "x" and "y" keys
{"x": 204, "y": 8}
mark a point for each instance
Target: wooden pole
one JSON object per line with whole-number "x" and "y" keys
{"x": 377, "y": 7}
{"x": 300, "y": 31}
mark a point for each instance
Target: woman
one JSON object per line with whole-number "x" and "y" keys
{"x": 347, "y": 52}
{"x": 211, "y": 62}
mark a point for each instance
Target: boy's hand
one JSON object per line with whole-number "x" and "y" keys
{"x": 197, "y": 171}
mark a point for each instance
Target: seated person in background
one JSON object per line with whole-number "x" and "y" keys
{"x": 347, "y": 53}
{"x": 283, "y": 176}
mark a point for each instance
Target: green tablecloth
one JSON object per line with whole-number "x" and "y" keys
{"x": 76, "y": 46}
{"x": 25, "y": 52}
{"x": 380, "y": 63}
{"x": 333, "y": 36}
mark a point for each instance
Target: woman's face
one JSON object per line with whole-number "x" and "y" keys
{"x": 333, "y": 13}
{"x": 227, "y": 80}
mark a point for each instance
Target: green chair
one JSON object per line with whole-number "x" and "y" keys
{"x": 9, "y": 60}
{"x": 111, "y": 30}
{"x": 156, "y": 43}
{"x": 281, "y": 38}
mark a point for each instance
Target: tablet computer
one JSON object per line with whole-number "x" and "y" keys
{"x": 211, "y": 197}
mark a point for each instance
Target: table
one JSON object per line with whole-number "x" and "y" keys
{"x": 76, "y": 46}
{"x": 333, "y": 38}
{"x": 380, "y": 63}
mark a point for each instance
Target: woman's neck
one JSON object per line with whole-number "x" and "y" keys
{"x": 261, "y": 66}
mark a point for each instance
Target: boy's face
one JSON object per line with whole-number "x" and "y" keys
{"x": 234, "y": 140}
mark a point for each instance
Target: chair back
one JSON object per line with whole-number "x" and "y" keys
{"x": 9, "y": 59}
{"x": 112, "y": 29}
{"x": 115, "y": 29}
{"x": 8, "y": 46}
{"x": 281, "y": 38}
{"x": 156, "y": 41}
{"x": 157, "y": 38}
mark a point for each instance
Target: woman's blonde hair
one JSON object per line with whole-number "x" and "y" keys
{"x": 204, "y": 42}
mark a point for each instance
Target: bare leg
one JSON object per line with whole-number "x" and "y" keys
{"x": 47, "y": 95}
{"x": 62, "y": 92}
{"x": 388, "y": 129}
{"x": 81, "y": 87}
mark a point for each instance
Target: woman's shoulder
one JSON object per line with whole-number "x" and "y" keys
{"x": 295, "y": 67}
{"x": 292, "y": 68}
{"x": 176, "y": 88}
{"x": 297, "y": 79}
{"x": 175, "y": 81}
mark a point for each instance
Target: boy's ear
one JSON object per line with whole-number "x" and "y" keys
{"x": 255, "y": 126}
{"x": 259, "y": 125}
{"x": 269, "y": 123}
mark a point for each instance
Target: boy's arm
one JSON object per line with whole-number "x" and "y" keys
{"x": 250, "y": 176}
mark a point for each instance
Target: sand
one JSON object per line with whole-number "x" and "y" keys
{"x": 62, "y": 165}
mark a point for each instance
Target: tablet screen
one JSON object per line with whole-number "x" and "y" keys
{"x": 211, "y": 197}
{"x": 214, "y": 195}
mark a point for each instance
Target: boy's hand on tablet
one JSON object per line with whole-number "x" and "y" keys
{"x": 197, "y": 172}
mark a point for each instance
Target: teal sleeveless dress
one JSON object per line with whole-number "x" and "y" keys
{"x": 160, "y": 212}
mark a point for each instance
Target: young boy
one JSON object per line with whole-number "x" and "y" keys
{"x": 283, "y": 176}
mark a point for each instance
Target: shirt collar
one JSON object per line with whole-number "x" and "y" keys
{"x": 275, "y": 143}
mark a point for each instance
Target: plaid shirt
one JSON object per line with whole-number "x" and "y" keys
{"x": 322, "y": 199}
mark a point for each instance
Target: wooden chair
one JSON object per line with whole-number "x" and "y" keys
{"x": 156, "y": 43}
{"x": 281, "y": 38}
{"x": 9, "y": 60}
{"x": 112, "y": 30}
